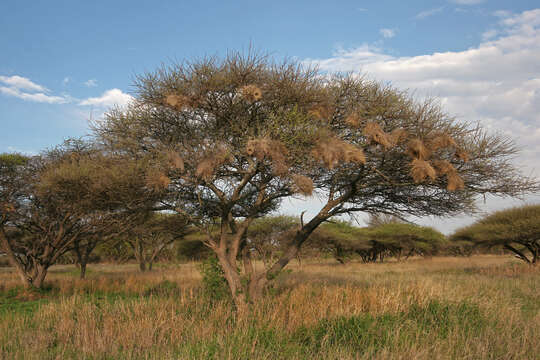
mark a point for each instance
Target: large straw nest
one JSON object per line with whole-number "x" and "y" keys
{"x": 417, "y": 149}
{"x": 270, "y": 149}
{"x": 462, "y": 155}
{"x": 332, "y": 151}
{"x": 397, "y": 136}
{"x": 455, "y": 182}
{"x": 441, "y": 141}
{"x": 157, "y": 180}
{"x": 353, "y": 120}
{"x": 302, "y": 184}
{"x": 175, "y": 160}
{"x": 210, "y": 163}
{"x": 178, "y": 102}
{"x": 251, "y": 93}
{"x": 377, "y": 135}
{"x": 444, "y": 167}
{"x": 422, "y": 170}
{"x": 321, "y": 112}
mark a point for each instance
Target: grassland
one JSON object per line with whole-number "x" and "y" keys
{"x": 484, "y": 307}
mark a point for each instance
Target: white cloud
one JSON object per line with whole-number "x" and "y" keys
{"x": 91, "y": 83}
{"x": 496, "y": 83}
{"x": 427, "y": 13}
{"x": 25, "y": 89}
{"x": 467, "y": 2}
{"x": 387, "y": 33}
{"x": 36, "y": 97}
{"x": 109, "y": 98}
{"x": 490, "y": 34}
{"x": 21, "y": 83}
{"x": 66, "y": 80}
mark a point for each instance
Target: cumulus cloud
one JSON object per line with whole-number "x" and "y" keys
{"x": 427, "y": 13}
{"x": 387, "y": 33}
{"x": 496, "y": 82}
{"x": 25, "y": 89}
{"x": 91, "y": 83}
{"x": 36, "y": 97}
{"x": 21, "y": 83}
{"x": 113, "y": 97}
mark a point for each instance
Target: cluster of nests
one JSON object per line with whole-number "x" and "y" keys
{"x": 330, "y": 150}
{"x": 251, "y": 93}
{"x": 420, "y": 151}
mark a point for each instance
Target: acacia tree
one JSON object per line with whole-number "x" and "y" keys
{"x": 65, "y": 195}
{"x": 151, "y": 236}
{"x": 516, "y": 230}
{"x": 235, "y": 136}
{"x": 400, "y": 239}
{"x": 11, "y": 194}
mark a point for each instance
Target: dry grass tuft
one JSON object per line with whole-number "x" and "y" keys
{"x": 303, "y": 184}
{"x": 421, "y": 170}
{"x": 251, "y": 93}
{"x": 377, "y": 135}
{"x": 418, "y": 150}
{"x": 331, "y": 151}
{"x": 455, "y": 182}
{"x": 274, "y": 150}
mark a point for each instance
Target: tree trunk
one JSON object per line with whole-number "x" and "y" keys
{"x": 142, "y": 265}
{"x": 518, "y": 253}
{"x": 234, "y": 282}
{"x": 82, "y": 267}
{"x": 41, "y": 272}
{"x": 26, "y": 280}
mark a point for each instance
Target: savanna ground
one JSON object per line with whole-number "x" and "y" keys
{"x": 483, "y": 307}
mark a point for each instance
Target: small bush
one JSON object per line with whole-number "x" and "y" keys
{"x": 213, "y": 280}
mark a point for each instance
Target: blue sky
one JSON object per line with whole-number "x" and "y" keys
{"x": 62, "y": 62}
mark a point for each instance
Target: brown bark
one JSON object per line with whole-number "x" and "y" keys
{"x": 27, "y": 281}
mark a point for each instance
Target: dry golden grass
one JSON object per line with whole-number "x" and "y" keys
{"x": 484, "y": 307}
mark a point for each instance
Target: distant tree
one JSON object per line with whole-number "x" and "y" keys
{"x": 12, "y": 194}
{"x": 400, "y": 239}
{"x": 377, "y": 219}
{"x": 65, "y": 196}
{"x": 267, "y": 237}
{"x": 150, "y": 237}
{"x": 238, "y": 135}
{"x": 340, "y": 239}
{"x": 516, "y": 230}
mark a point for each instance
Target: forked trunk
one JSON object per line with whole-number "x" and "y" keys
{"x": 41, "y": 272}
